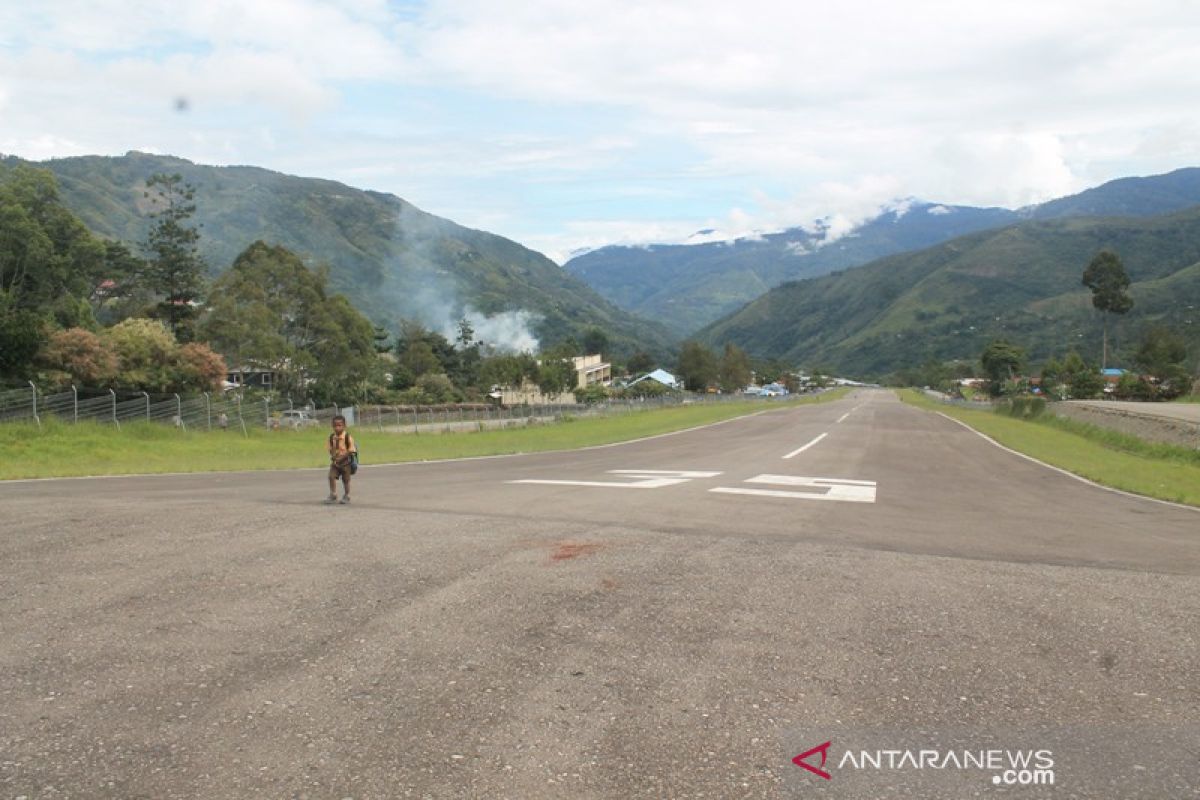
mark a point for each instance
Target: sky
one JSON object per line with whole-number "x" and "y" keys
{"x": 571, "y": 125}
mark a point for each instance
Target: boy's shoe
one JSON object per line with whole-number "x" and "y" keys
{"x": 331, "y": 499}
{"x": 345, "y": 500}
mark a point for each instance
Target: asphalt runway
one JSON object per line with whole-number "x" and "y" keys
{"x": 676, "y": 617}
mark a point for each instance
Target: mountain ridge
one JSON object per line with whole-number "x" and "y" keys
{"x": 389, "y": 257}
{"x": 689, "y": 285}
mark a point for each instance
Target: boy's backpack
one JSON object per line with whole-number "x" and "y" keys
{"x": 353, "y": 453}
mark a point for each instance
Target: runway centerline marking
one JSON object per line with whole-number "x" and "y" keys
{"x": 643, "y": 479}
{"x": 800, "y": 450}
{"x": 838, "y": 489}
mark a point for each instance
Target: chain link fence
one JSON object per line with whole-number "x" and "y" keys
{"x": 214, "y": 411}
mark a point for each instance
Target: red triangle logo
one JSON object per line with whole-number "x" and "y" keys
{"x": 823, "y": 749}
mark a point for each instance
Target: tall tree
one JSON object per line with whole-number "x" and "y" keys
{"x": 174, "y": 268}
{"x": 735, "y": 371}
{"x": 1106, "y": 277}
{"x": 697, "y": 366}
{"x": 49, "y": 266}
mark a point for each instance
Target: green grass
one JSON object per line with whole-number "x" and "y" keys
{"x": 1106, "y": 457}
{"x": 60, "y": 449}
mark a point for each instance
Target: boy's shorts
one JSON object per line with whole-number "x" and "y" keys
{"x": 342, "y": 471}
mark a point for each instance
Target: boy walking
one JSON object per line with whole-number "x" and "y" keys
{"x": 341, "y": 446}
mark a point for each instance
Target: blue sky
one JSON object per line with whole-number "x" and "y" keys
{"x": 567, "y": 125}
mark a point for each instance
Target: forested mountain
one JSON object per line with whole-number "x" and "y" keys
{"x": 688, "y": 286}
{"x": 390, "y": 258}
{"x": 1022, "y": 283}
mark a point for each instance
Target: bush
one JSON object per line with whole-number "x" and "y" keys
{"x": 1022, "y": 407}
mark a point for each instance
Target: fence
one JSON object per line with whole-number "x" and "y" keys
{"x": 216, "y": 411}
{"x": 204, "y": 412}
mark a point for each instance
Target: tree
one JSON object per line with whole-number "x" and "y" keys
{"x": 49, "y": 266}
{"x": 1051, "y": 378}
{"x": 270, "y": 311}
{"x": 1161, "y": 355}
{"x": 197, "y": 367}
{"x": 77, "y": 356}
{"x": 595, "y": 341}
{"x": 640, "y": 363}
{"x": 556, "y": 374}
{"x": 1001, "y": 362}
{"x": 734, "y": 371}
{"x": 508, "y": 370}
{"x": 697, "y": 366}
{"x": 1082, "y": 380}
{"x": 1106, "y": 277}
{"x": 145, "y": 351}
{"x": 174, "y": 268}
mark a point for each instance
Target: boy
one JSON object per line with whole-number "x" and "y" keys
{"x": 340, "y": 448}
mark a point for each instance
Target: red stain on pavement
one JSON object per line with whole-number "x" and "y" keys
{"x": 568, "y": 550}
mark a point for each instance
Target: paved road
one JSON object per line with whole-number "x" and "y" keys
{"x": 677, "y": 617}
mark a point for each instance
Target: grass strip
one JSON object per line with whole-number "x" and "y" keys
{"x": 61, "y": 449}
{"x": 1106, "y": 457}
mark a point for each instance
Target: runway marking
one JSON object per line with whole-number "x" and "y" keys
{"x": 800, "y": 450}
{"x": 645, "y": 479}
{"x": 838, "y": 489}
{"x": 843, "y": 416}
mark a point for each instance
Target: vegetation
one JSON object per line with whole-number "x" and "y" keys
{"x": 174, "y": 269}
{"x": 1106, "y": 277}
{"x": 945, "y": 304}
{"x": 391, "y": 260}
{"x": 687, "y": 286}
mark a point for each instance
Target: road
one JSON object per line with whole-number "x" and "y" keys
{"x": 675, "y": 617}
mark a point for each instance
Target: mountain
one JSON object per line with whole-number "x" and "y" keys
{"x": 1022, "y": 283}
{"x": 390, "y": 258}
{"x": 688, "y": 286}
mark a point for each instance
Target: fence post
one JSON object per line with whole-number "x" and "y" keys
{"x": 35, "y": 414}
{"x": 75, "y": 404}
{"x": 208, "y": 409}
{"x": 179, "y": 412}
{"x": 116, "y": 421}
{"x": 241, "y": 419}
{"x": 147, "y": 405}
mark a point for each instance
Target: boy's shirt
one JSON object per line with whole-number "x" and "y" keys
{"x": 341, "y": 445}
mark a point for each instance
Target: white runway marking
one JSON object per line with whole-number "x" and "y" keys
{"x": 800, "y": 450}
{"x": 843, "y": 416}
{"x": 645, "y": 479}
{"x": 842, "y": 490}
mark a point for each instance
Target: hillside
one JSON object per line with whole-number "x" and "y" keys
{"x": 947, "y": 302}
{"x": 688, "y": 286}
{"x": 390, "y": 258}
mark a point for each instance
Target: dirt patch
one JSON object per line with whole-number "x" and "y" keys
{"x": 1143, "y": 426}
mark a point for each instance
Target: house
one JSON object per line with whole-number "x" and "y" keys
{"x": 592, "y": 370}
{"x": 249, "y": 378}
{"x": 1111, "y": 377}
{"x": 662, "y": 376}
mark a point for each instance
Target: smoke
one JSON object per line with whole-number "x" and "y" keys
{"x": 423, "y": 291}
{"x": 441, "y": 311}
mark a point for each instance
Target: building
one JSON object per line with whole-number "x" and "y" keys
{"x": 592, "y": 370}
{"x": 662, "y": 376}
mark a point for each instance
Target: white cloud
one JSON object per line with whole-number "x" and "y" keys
{"x": 749, "y": 117}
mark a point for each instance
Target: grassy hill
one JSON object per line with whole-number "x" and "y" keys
{"x": 390, "y": 258}
{"x": 947, "y": 302}
{"x": 688, "y": 286}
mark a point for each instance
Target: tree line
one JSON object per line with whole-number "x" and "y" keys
{"x": 1159, "y": 362}
{"x": 78, "y": 309}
